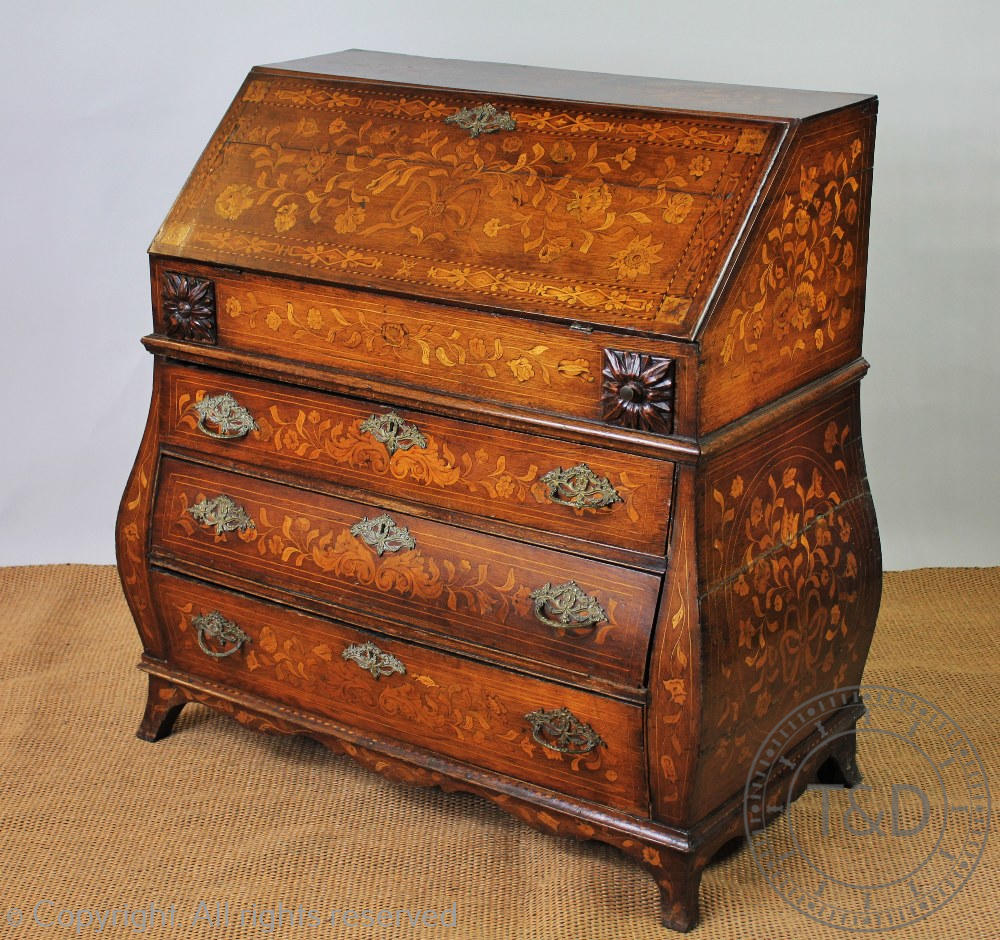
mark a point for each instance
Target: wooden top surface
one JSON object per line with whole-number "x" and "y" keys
{"x": 571, "y": 85}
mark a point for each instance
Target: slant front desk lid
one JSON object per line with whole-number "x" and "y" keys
{"x": 589, "y": 212}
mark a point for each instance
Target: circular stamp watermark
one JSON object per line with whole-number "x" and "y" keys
{"x": 888, "y": 851}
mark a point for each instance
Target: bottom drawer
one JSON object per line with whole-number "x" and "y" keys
{"x": 573, "y": 741}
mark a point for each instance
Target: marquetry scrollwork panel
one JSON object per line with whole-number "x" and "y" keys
{"x": 621, "y": 215}
{"x": 794, "y": 311}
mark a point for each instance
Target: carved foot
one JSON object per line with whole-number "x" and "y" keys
{"x": 163, "y": 704}
{"x": 679, "y": 881}
{"x": 842, "y": 764}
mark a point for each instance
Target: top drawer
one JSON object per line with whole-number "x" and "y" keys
{"x": 628, "y": 381}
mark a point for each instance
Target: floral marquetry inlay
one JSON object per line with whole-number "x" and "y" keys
{"x": 468, "y": 589}
{"x": 792, "y": 568}
{"x": 799, "y": 294}
{"x": 420, "y": 343}
{"x": 619, "y": 216}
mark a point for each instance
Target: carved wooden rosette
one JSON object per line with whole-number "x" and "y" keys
{"x": 188, "y": 306}
{"x": 638, "y": 391}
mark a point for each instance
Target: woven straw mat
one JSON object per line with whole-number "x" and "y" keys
{"x": 93, "y": 819}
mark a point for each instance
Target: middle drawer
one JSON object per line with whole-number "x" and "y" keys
{"x": 571, "y": 489}
{"x": 538, "y": 604}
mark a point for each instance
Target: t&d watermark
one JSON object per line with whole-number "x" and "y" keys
{"x": 893, "y": 849}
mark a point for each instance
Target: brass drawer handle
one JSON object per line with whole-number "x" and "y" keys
{"x": 222, "y": 512}
{"x": 484, "y": 119}
{"x": 393, "y": 432}
{"x": 383, "y": 534}
{"x": 565, "y": 606}
{"x": 370, "y": 658}
{"x": 560, "y": 730}
{"x": 229, "y": 418}
{"x": 580, "y": 488}
{"x": 215, "y": 627}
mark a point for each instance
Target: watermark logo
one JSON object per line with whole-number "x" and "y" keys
{"x": 890, "y": 850}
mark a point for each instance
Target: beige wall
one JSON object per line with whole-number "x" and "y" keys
{"x": 105, "y": 106}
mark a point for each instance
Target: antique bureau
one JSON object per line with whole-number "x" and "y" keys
{"x": 505, "y": 436}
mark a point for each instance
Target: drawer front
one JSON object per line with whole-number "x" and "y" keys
{"x": 530, "y": 364}
{"x": 537, "y": 604}
{"x": 467, "y": 710}
{"x": 485, "y": 471}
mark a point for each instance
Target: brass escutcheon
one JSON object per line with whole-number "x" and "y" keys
{"x": 484, "y": 119}
{"x": 393, "y": 432}
{"x": 580, "y": 488}
{"x": 566, "y": 606}
{"x": 222, "y": 512}
{"x": 560, "y": 730}
{"x": 370, "y": 658}
{"x": 229, "y": 418}
{"x": 383, "y": 534}
{"x": 214, "y": 626}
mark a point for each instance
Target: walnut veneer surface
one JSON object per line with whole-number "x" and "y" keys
{"x": 509, "y": 441}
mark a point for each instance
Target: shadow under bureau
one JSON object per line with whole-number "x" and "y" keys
{"x": 505, "y": 437}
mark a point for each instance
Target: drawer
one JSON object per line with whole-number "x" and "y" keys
{"x": 470, "y": 711}
{"x": 532, "y": 364}
{"x": 615, "y": 498}
{"x": 538, "y": 604}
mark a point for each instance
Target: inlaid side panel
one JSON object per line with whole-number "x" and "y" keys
{"x": 132, "y": 529}
{"x": 453, "y": 706}
{"x": 795, "y": 308}
{"x": 791, "y": 580}
{"x": 493, "y": 592}
{"x": 457, "y": 465}
{"x": 609, "y": 215}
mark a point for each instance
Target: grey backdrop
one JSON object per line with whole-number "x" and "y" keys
{"x": 106, "y": 106}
